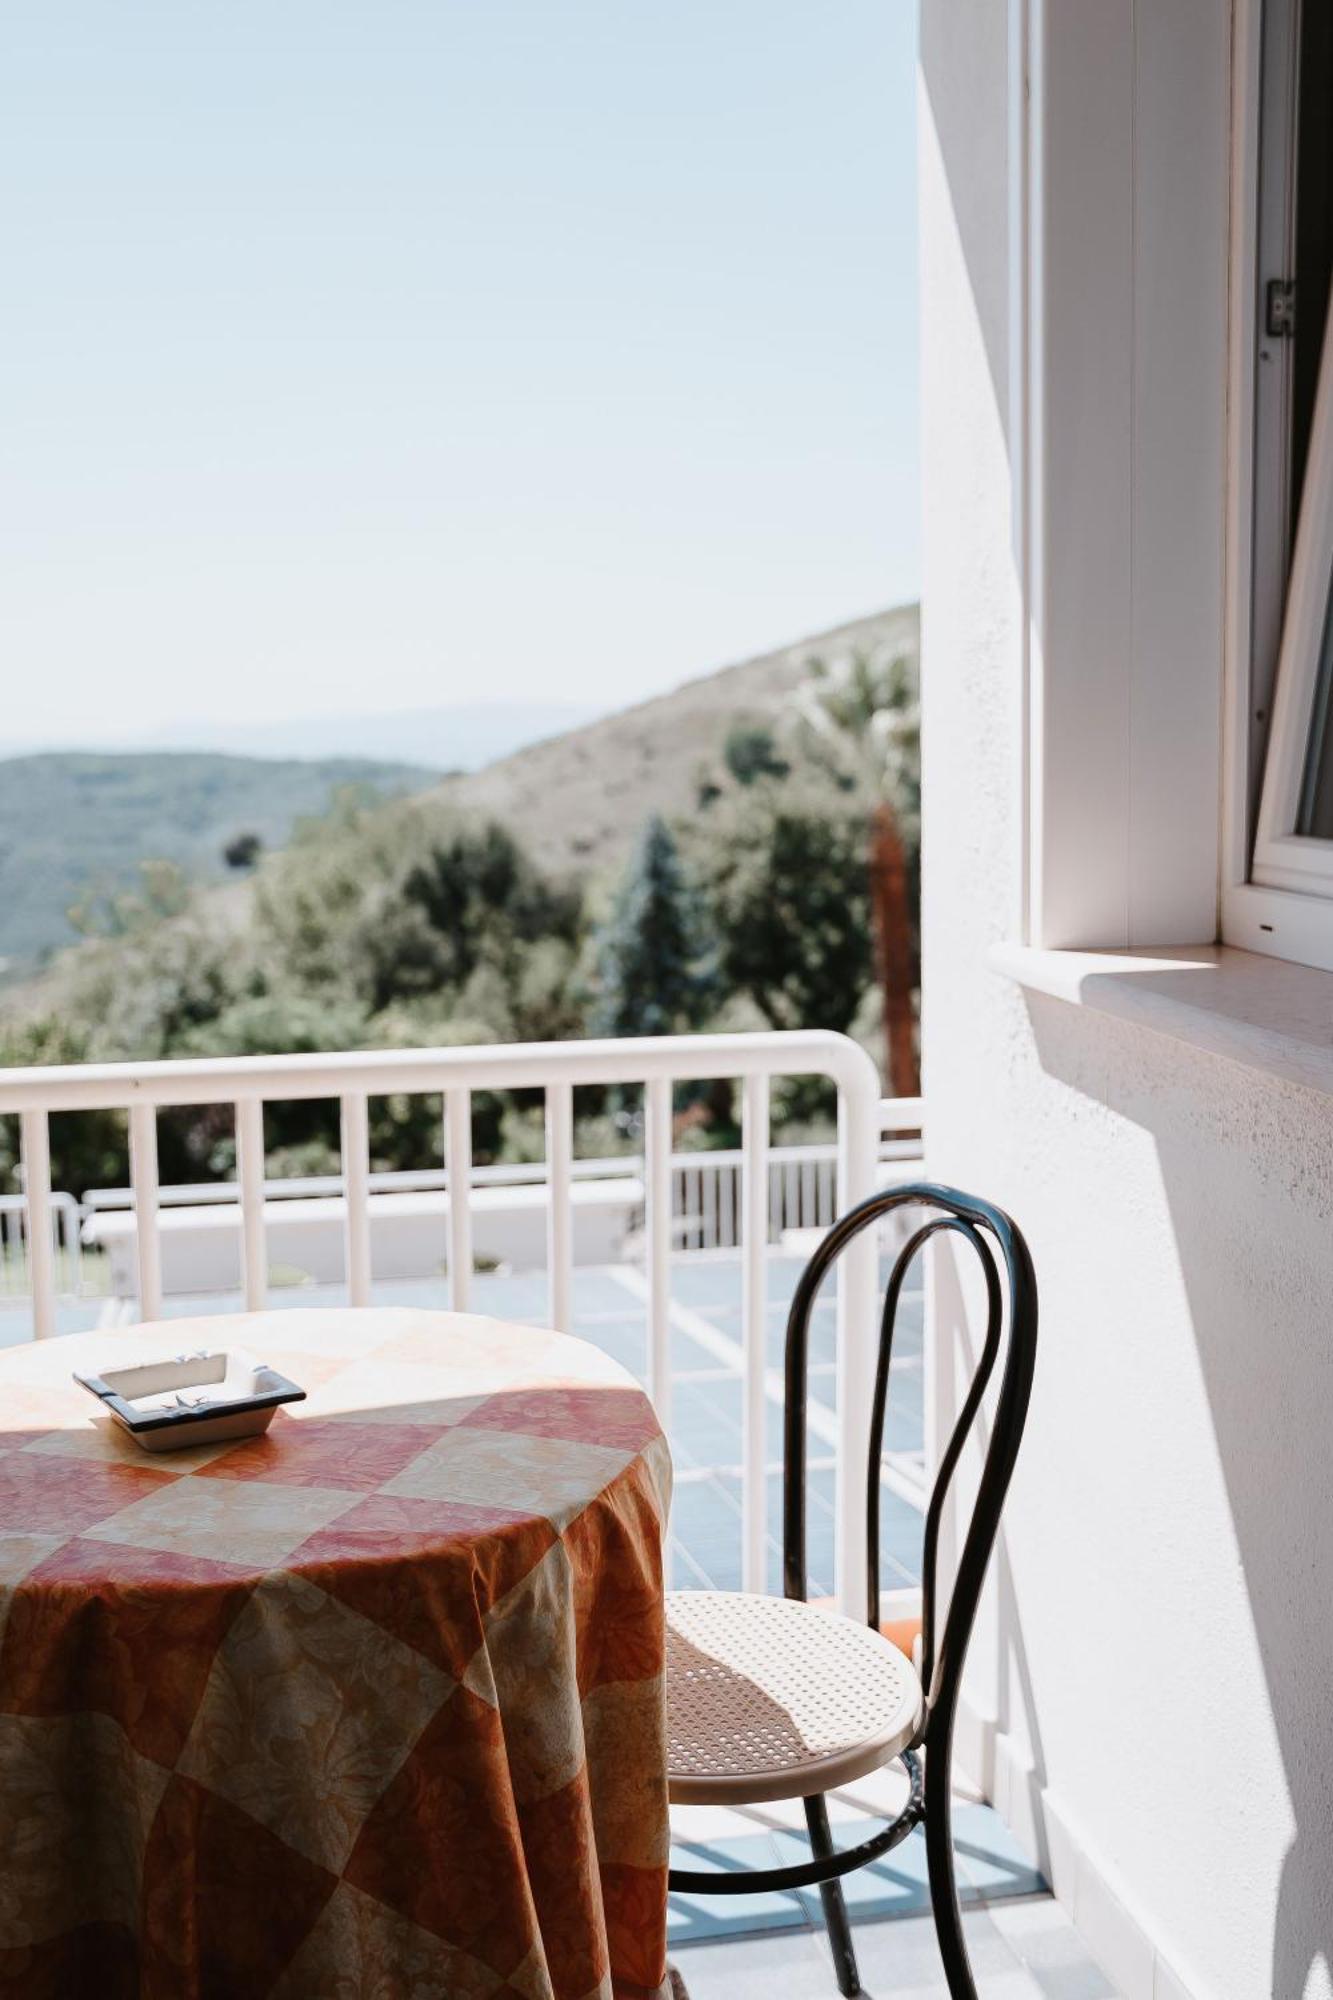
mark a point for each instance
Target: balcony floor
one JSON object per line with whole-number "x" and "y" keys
{"x": 991, "y": 1866}
{"x": 1020, "y": 1951}
{"x": 776, "y": 1948}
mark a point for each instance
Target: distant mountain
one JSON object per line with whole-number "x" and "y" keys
{"x": 461, "y": 737}
{"x": 70, "y": 819}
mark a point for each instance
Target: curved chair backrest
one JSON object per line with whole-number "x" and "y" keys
{"x": 1011, "y": 1298}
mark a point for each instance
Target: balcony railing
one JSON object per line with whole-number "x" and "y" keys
{"x": 15, "y": 1234}
{"x": 556, "y": 1069}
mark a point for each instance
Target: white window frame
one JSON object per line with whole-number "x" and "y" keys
{"x": 1277, "y": 888}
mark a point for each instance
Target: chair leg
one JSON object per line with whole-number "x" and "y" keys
{"x": 944, "y": 1881}
{"x": 830, "y": 1895}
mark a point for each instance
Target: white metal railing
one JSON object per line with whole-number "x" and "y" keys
{"x": 556, "y": 1068}
{"x": 705, "y": 1186}
{"x": 16, "y": 1273}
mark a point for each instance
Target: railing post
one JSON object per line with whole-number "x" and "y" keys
{"x": 657, "y": 1213}
{"x": 356, "y": 1193}
{"x": 858, "y": 1137}
{"x": 250, "y": 1180}
{"x": 559, "y": 1204}
{"x": 69, "y": 1240}
{"x": 754, "y": 1300}
{"x": 36, "y": 1146}
{"x": 143, "y": 1183}
{"x": 458, "y": 1158}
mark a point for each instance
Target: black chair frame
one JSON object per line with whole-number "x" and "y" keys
{"x": 999, "y": 1246}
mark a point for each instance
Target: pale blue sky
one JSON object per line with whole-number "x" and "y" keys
{"x": 418, "y": 351}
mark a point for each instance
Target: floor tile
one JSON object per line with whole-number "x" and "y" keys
{"x": 691, "y": 1916}
{"x": 1051, "y": 1950}
{"x": 786, "y": 1968}
{"x": 990, "y": 1859}
{"x": 895, "y": 1886}
{"x": 990, "y": 1864}
{"x": 900, "y": 1961}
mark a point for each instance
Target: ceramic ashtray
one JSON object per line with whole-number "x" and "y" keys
{"x": 193, "y": 1398}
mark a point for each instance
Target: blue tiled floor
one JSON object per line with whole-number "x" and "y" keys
{"x": 690, "y": 1918}
{"x": 72, "y": 1316}
{"x": 990, "y": 1867}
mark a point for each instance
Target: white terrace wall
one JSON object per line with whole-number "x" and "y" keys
{"x": 1159, "y": 1666}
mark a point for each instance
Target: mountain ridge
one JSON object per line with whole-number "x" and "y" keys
{"x": 578, "y": 799}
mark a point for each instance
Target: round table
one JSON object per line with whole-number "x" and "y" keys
{"x": 368, "y": 1708}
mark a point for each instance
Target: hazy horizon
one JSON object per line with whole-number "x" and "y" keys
{"x": 460, "y": 736}
{"x": 366, "y": 364}
{"x": 481, "y": 732}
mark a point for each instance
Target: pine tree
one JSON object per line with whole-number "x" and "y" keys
{"x": 651, "y": 957}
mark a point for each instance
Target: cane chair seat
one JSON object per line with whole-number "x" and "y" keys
{"x": 771, "y": 1698}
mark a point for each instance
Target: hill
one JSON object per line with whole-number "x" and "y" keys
{"x": 577, "y": 800}
{"x": 71, "y": 820}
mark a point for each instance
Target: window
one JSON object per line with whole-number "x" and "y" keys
{"x": 1288, "y": 779}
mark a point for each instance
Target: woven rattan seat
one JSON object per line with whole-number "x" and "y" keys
{"x": 770, "y": 1698}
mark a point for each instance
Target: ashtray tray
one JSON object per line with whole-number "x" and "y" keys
{"x": 193, "y": 1398}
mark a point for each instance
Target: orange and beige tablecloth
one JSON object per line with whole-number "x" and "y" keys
{"x": 369, "y": 1708}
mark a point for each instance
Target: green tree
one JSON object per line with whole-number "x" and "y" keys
{"x": 311, "y": 899}
{"x": 750, "y": 752}
{"x": 790, "y": 899}
{"x": 104, "y": 911}
{"x": 137, "y": 995}
{"x": 485, "y": 900}
{"x": 652, "y": 961}
{"x": 88, "y": 1148}
{"x": 404, "y": 903}
{"x": 243, "y": 851}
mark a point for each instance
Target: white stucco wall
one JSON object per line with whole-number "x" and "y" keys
{"x": 1165, "y": 1660}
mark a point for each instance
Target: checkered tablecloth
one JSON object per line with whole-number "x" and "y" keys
{"x": 370, "y": 1708}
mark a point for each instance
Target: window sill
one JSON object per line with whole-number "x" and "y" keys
{"x": 1263, "y": 1012}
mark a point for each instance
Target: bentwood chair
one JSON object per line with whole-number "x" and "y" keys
{"x": 771, "y": 1698}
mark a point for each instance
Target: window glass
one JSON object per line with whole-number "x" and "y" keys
{"x": 1315, "y": 812}
{"x": 1314, "y": 227}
